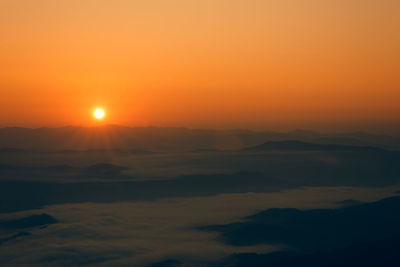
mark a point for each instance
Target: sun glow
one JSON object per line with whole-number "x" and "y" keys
{"x": 99, "y": 113}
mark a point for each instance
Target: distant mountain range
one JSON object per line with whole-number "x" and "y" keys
{"x": 147, "y": 139}
{"x": 293, "y": 145}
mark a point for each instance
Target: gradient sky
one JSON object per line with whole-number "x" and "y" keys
{"x": 269, "y": 64}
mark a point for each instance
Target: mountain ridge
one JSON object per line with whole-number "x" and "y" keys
{"x": 296, "y": 145}
{"x": 160, "y": 139}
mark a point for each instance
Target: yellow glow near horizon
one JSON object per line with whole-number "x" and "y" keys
{"x": 201, "y": 64}
{"x": 99, "y": 113}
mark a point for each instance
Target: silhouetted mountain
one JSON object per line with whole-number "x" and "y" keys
{"x": 17, "y": 171}
{"x": 121, "y": 138}
{"x": 293, "y": 145}
{"x": 31, "y": 221}
{"x": 362, "y": 235}
{"x": 100, "y": 170}
{"x": 109, "y": 137}
{"x": 28, "y": 222}
{"x": 22, "y": 195}
{"x": 313, "y": 230}
{"x": 371, "y": 254}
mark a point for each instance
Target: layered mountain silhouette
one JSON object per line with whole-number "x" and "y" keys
{"x": 99, "y": 170}
{"x": 145, "y": 139}
{"x": 360, "y": 235}
{"x": 293, "y": 145}
{"x": 310, "y": 230}
{"x": 370, "y": 254}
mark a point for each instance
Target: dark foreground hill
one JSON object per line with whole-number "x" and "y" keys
{"x": 361, "y": 235}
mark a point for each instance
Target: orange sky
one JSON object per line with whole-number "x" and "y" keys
{"x": 269, "y": 64}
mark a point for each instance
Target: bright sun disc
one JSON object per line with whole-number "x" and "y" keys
{"x": 99, "y": 113}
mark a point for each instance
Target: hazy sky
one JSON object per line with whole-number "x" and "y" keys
{"x": 209, "y": 63}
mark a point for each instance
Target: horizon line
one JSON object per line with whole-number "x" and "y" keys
{"x": 200, "y": 129}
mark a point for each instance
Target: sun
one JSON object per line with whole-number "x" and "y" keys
{"x": 99, "y": 113}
